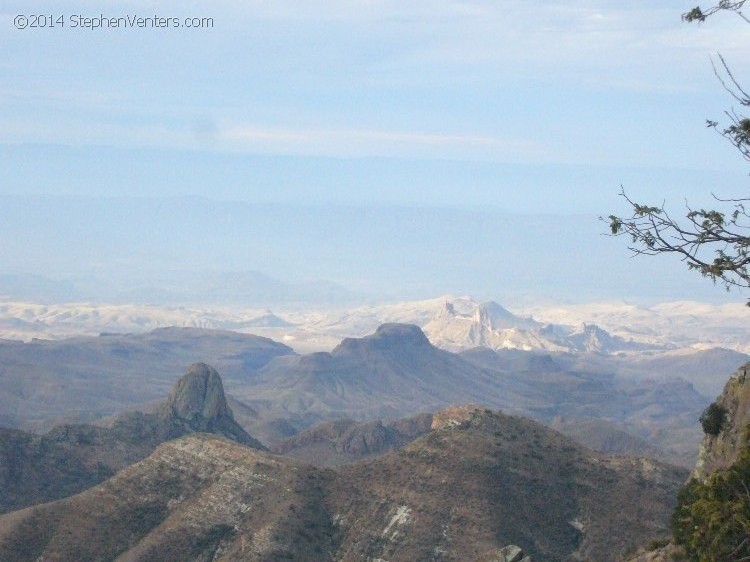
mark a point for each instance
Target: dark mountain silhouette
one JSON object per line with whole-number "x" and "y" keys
{"x": 389, "y": 374}
{"x": 338, "y": 442}
{"x": 45, "y": 383}
{"x": 396, "y": 372}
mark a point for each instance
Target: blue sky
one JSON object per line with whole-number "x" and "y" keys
{"x": 521, "y": 106}
{"x": 566, "y": 83}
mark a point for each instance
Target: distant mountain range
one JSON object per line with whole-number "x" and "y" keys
{"x": 492, "y": 326}
{"x": 82, "y": 379}
{"x": 370, "y": 458}
{"x": 454, "y": 323}
{"x": 392, "y": 373}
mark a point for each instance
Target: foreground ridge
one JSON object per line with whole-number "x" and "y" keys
{"x": 468, "y": 490}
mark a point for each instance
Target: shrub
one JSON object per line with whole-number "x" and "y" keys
{"x": 712, "y": 419}
{"x": 712, "y": 519}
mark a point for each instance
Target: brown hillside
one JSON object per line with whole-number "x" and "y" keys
{"x": 70, "y": 458}
{"x": 457, "y": 493}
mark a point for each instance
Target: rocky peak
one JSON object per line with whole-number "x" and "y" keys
{"x": 453, "y": 416}
{"x": 482, "y": 317}
{"x": 198, "y": 403}
{"x": 400, "y": 333}
{"x": 199, "y": 393}
{"x": 498, "y": 317}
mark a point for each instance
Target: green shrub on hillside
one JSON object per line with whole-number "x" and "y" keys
{"x": 712, "y": 419}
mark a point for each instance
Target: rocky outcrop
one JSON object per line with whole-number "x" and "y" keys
{"x": 492, "y": 326}
{"x": 414, "y": 426}
{"x": 453, "y": 416}
{"x": 198, "y": 403}
{"x": 728, "y": 433}
{"x": 198, "y": 394}
{"x": 718, "y": 452}
{"x": 510, "y": 553}
{"x": 391, "y": 337}
{"x": 72, "y": 458}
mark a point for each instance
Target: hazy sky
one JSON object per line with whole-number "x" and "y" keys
{"x": 523, "y": 106}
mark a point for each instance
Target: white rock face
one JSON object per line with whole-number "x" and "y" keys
{"x": 510, "y": 553}
{"x": 462, "y": 324}
{"x": 455, "y": 323}
{"x": 400, "y": 518}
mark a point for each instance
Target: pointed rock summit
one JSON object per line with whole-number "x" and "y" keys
{"x": 198, "y": 403}
{"x": 70, "y": 458}
{"x": 199, "y": 393}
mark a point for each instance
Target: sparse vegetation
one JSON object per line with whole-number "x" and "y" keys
{"x": 712, "y": 519}
{"x": 461, "y": 489}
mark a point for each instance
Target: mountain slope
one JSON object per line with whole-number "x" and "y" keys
{"x": 661, "y": 412}
{"x": 392, "y": 373}
{"x": 486, "y": 479}
{"x": 396, "y": 372}
{"x": 389, "y": 374}
{"x": 192, "y": 499}
{"x": 479, "y": 482}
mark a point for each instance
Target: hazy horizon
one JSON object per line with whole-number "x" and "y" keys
{"x": 198, "y": 250}
{"x": 387, "y": 151}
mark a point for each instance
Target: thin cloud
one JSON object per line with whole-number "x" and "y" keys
{"x": 363, "y": 142}
{"x": 424, "y": 79}
{"x": 339, "y": 143}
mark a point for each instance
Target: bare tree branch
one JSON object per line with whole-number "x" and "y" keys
{"x": 710, "y": 242}
{"x": 714, "y": 243}
{"x": 699, "y": 14}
